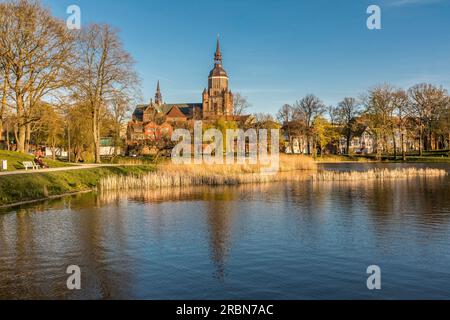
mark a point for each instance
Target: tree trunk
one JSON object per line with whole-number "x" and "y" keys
{"x": 378, "y": 144}
{"x": 3, "y": 102}
{"x": 430, "y": 142}
{"x": 421, "y": 142}
{"x": 96, "y": 136}
{"x": 16, "y": 135}
{"x": 395, "y": 146}
{"x": 20, "y": 141}
{"x": 348, "y": 144}
{"x": 403, "y": 147}
{"x": 1, "y": 126}
{"x": 314, "y": 148}
{"x": 27, "y": 137}
{"x": 117, "y": 142}
{"x": 308, "y": 145}
{"x": 7, "y": 138}
{"x": 53, "y": 151}
{"x": 21, "y": 132}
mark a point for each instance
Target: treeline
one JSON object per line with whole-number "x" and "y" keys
{"x": 61, "y": 86}
{"x": 393, "y": 116}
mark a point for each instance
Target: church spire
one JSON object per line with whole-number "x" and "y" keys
{"x": 158, "y": 95}
{"x": 218, "y": 54}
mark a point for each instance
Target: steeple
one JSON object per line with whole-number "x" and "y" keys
{"x": 158, "y": 95}
{"x": 218, "y": 54}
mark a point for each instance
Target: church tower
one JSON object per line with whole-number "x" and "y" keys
{"x": 158, "y": 95}
{"x": 217, "y": 99}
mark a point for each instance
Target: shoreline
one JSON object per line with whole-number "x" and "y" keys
{"x": 19, "y": 189}
{"x": 44, "y": 186}
{"x": 17, "y": 204}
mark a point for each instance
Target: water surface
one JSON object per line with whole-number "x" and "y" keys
{"x": 302, "y": 240}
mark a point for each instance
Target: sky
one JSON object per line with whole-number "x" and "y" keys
{"x": 276, "y": 52}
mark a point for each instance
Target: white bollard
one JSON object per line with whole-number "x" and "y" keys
{"x": 4, "y": 165}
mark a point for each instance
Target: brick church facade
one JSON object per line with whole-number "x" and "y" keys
{"x": 152, "y": 121}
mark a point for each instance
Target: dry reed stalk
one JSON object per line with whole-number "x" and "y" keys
{"x": 169, "y": 175}
{"x": 379, "y": 174}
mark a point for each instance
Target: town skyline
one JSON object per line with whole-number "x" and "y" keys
{"x": 333, "y": 186}
{"x": 284, "y": 52}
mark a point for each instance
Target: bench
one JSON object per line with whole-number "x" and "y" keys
{"x": 30, "y": 165}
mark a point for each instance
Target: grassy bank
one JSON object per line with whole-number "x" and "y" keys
{"x": 15, "y": 160}
{"x": 36, "y": 186}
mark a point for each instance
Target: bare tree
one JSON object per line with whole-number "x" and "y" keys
{"x": 307, "y": 110}
{"x": 120, "y": 108}
{"x": 50, "y": 130}
{"x": 402, "y": 112}
{"x": 4, "y": 96}
{"x": 103, "y": 69}
{"x": 263, "y": 121}
{"x": 241, "y": 105}
{"x": 379, "y": 112}
{"x": 445, "y": 123}
{"x": 332, "y": 113}
{"x": 36, "y": 49}
{"x": 285, "y": 116}
{"x": 427, "y": 101}
{"x": 4, "y": 66}
{"x": 347, "y": 113}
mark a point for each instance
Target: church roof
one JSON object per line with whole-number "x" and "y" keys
{"x": 218, "y": 71}
{"x": 186, "y": 108}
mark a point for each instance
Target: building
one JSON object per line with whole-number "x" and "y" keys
{"x": 362, "y": 142}
{"x": 217, "y": 99}
{"x": 153, "y": 121}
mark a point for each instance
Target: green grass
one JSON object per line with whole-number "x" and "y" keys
{"x": 426, "y": 158}
{"x": 36, "y": 186}
{"x": 147, "y": 160}
{"x": 15, "y": 160}
{"x": 341, "y": 158}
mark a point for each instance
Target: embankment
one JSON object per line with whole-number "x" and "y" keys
{"x": 22, "y": 188}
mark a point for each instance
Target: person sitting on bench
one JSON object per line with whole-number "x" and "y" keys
{"x": 38, "y": 160}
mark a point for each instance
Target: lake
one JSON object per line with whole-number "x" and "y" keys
{"x": 302, "y": 240}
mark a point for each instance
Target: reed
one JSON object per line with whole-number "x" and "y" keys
{"x": 291, "y": 169}
{"x": 178, "y": 180}
{"x": 378, "y": 174}
{"x": 286, "y": 163}
{"x": 173, "y": 175}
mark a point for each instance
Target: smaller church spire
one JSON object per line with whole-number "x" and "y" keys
{"x": 218, "y": 54}
{"x": 158, "y": 95}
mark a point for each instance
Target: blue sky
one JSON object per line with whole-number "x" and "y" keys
{"x": 278, "y": 51}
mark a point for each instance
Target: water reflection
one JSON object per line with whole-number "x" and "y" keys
{"x": 284, "y": 240}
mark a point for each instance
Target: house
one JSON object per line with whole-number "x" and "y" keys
{"x": 363, "y": 142}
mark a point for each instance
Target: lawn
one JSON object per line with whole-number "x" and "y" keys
{"x": 15, "y": 160}
{"x": 426, "y": 158}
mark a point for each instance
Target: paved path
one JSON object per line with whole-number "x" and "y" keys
{"x": 74, "y": 167}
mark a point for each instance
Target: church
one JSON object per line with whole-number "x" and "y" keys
{"x": 152, "y": 121}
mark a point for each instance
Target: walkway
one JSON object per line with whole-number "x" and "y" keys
{"x": 74, "y": 167}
